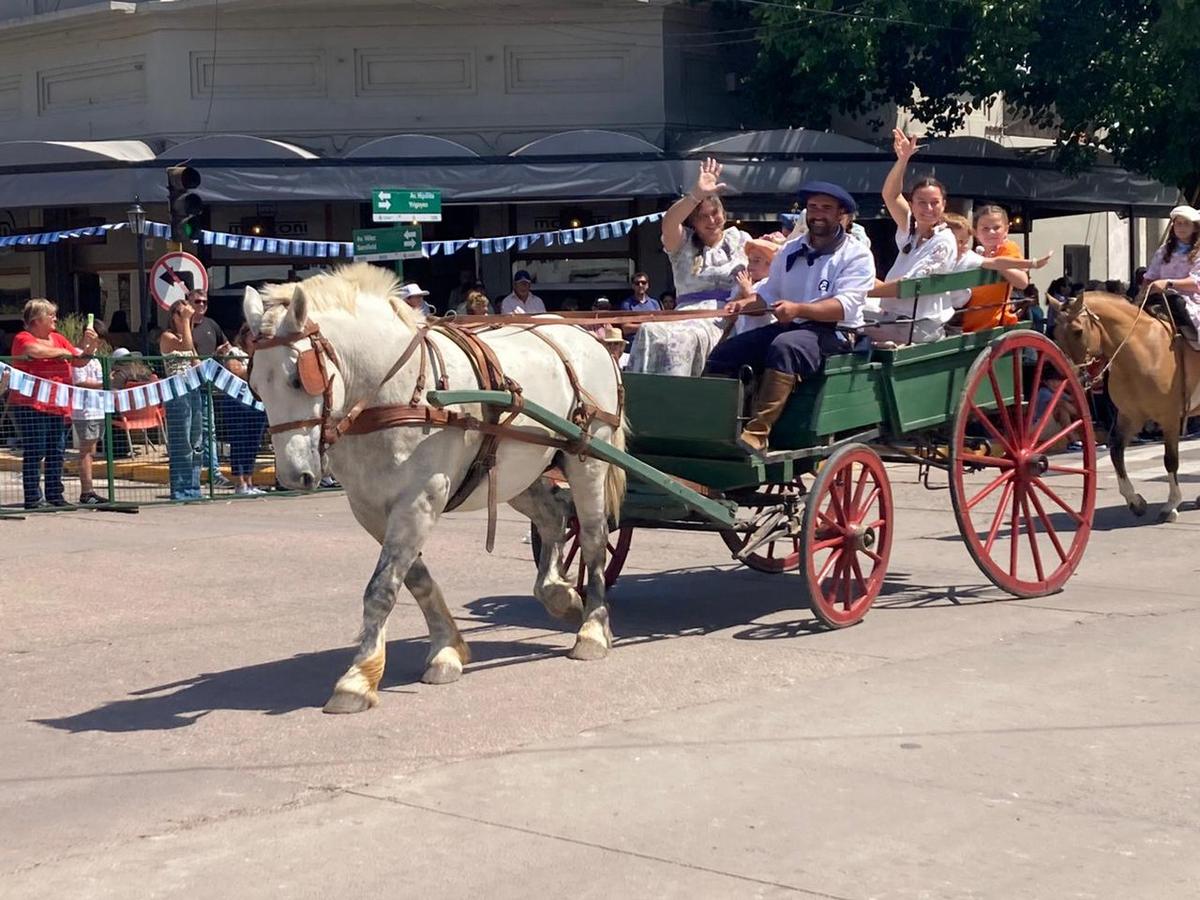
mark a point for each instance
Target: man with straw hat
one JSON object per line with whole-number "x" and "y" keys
{"x": 614, "y": 342}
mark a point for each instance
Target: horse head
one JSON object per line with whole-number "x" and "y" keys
{"x": 282, "y": 376}
{"x": 1077, "y": 329}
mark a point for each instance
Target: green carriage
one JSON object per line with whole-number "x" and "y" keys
{"x": 989, "y": 408}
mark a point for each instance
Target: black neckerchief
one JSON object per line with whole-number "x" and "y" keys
{"x": 810, "y": 255}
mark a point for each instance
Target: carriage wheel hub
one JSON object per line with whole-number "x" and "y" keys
{"x": 1033, "y": 465}
{"x": 862, "y": 538}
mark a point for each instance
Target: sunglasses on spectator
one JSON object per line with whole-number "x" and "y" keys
{"x": 641, "y": 281}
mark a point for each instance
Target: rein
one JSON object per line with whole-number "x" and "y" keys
{"x": 1087, "y": 379}
{"x": 317, "y": 365}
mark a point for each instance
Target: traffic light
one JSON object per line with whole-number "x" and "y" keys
{"x": 185, "y": 206}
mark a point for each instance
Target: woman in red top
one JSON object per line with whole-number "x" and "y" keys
{"x": 43, "y": 352}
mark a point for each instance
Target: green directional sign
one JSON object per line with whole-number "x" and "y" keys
{"x": 377, "y": 244}
{"x": 395, "y": 205}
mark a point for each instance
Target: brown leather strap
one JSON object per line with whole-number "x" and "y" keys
{"x": 380, "y": 418}
{"x": 294, "y": 426}
{"x": 346, "y": 423}
{"x": 586, "y": 319}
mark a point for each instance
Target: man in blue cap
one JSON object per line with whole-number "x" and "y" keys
{"x": 817, "y": 288}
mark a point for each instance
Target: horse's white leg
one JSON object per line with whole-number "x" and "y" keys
{"x": 1116, "y": 452}
{"x": 448, "y": 652}
{"x": 587, "y": 490}
{"x": 409, "y": 523}
{"x": 549, "y": 516}
{"x": 1170, "y": 509}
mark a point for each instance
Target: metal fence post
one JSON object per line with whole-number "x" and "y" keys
{"x": 109, "y": 460}
{"x": 210, "y": 431}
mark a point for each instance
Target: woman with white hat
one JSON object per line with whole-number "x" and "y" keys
{"x": 1174, "y": 271}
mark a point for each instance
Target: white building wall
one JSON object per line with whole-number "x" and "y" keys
{"x": 328, "y": 75}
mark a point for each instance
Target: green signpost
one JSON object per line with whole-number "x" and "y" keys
{"x": 395, "y": 205}
{"x": 377, "y": 244}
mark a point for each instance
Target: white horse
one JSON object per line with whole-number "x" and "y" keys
{"x": 399, "y": 479}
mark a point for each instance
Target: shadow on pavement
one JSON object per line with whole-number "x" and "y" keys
{"x": 274, "y": 688}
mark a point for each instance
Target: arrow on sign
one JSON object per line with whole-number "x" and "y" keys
{"x": 170, "y": 277}
{"x": 384, "y": 203}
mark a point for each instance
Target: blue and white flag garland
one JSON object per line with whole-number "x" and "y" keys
{"x": 53, "y": 237}
{"x": 343, "y": 249}
{"x": 140, "y": 397}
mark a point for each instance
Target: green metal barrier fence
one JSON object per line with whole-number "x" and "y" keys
{"x": 201, "y": 446}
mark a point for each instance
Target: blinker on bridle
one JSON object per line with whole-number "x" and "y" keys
{"x": 314, "y": 376}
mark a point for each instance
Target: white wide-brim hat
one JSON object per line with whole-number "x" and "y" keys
{"x": 1189, "y": 213}
{"x": 412, "y": 289}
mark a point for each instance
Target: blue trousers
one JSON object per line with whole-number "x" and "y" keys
{"x": 244, "y": 425}
{"x": 185, "y": 448}
{"x": 43, "y": 438}
{"x": 798, "y": 348}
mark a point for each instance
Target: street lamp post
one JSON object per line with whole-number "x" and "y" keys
{"x": 137, "y": 224}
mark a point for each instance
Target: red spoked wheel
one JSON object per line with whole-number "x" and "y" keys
{"x": 1024, "y": 510}
{"x": 773, "y": 557}
{"x": 618, "y": 549}
{"x": 847, "y": 535}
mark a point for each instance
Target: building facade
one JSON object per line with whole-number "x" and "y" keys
{"x": 530, "y": 115}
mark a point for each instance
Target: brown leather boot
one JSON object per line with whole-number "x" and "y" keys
{"x": 773, "y": 393}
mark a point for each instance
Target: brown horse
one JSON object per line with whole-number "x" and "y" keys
{"x": 1153, "y": 375}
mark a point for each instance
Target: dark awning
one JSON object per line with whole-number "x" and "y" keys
{"x": 759, "y": 166}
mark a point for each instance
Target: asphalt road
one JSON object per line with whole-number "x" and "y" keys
{"x": 161, "y": 733}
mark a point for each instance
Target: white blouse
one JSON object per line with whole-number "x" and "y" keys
{"x": 710, "y": 269}
{"x": 935, "y": 255}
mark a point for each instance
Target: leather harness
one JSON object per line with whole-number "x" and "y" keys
{"x": 317, "y": 364}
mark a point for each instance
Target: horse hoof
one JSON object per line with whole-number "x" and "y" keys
{"x": 563, "y": 602}
{"x": 1168, "y": 515}
{"x": 346, "y": 702}
{"x": 588, "y": 648}
{"x": 444, "y": 668}
{"x": 1138, "y": 507}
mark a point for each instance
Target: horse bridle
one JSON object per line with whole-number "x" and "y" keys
{"x": 315, "y": 367}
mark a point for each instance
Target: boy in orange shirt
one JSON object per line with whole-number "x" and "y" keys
{"x": 988, "y": 306}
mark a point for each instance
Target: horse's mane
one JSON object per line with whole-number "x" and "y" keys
{"x": 1117, "y": 304}
{"x": 338, "y": 289}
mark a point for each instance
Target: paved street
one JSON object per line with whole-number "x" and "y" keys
{"x": 161, "y": 732}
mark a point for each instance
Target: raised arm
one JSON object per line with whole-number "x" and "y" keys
{"x": 1002, "y": 264}
{"x": 706, "y": 185}
{"x": 893, "y": 185}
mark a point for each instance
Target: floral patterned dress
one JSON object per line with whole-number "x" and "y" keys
{"x": 703, "y": 279}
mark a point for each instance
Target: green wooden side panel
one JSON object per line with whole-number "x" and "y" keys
{"x": 925, "y": 382}
{"x": 849, "y": 397}
{"x": 953, "y": 281}
{"x": 683, "y": 416}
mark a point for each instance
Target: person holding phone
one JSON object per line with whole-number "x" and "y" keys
{"x": 41, "y": 420}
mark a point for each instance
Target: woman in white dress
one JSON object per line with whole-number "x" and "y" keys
{"x": 705, "y": 260}
{"x": 927, "y": 247}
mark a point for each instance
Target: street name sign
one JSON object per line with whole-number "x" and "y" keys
{"x": 378, "y": 244}
{"x": 395, "y": 205}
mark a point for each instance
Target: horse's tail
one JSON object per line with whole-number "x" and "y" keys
{"x": 614, "y": 480}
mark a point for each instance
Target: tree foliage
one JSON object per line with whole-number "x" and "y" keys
{"x": 1114, "y": 74}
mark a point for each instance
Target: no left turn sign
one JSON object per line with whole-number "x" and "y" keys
{"x": 173, "y": 275}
